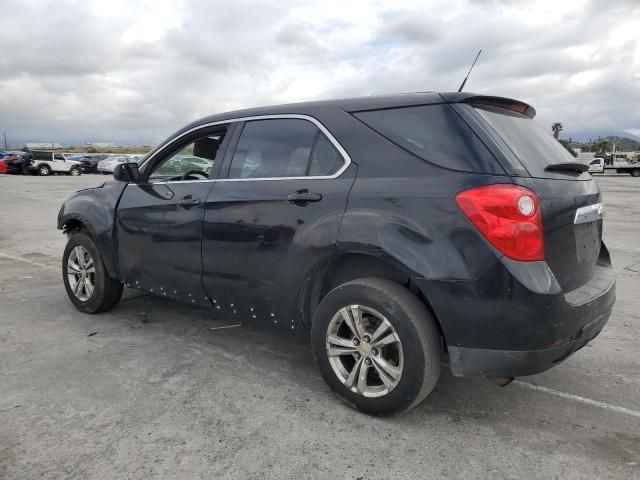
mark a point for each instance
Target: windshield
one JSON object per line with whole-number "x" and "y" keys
{"x": 535, "y": 148}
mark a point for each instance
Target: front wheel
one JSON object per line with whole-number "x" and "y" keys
{"x": 635, "y": 172}
{"x": 74, "y": 172}
{"x": 88, "y": 284}
{"x": 376, "y": 345}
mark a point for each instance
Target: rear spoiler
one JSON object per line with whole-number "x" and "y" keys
{"x": 489, "y": 101}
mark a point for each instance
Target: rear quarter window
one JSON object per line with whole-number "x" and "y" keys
{"x": 434, "y": 133}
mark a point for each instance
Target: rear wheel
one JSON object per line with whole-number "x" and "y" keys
{"x": 635, "y": 172}
{"x": 88, "y": 284}
{"x": 44, "y": 170}
{"x": 376, "y": 346}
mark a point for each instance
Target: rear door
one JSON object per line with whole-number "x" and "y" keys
{"x": 570, "y": 200}
{"x": 159, "y": 221}
{"x": 273, "y": 216}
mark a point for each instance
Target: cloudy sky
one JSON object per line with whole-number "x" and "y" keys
{"x": 133, "y": 71}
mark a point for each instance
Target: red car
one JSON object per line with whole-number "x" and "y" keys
{"x": 3, "y": 167}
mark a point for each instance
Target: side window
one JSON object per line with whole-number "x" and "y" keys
{"x": 57, "y": 156}
{"x": 192, "y": 162}
{"x": 434, "y": 133}
{"x": 325, "y": 160}
{"x": 273, "y": 148}
{"x": 595, "y": 162}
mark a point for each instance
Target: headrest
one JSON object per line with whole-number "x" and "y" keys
{"x": 206, "y": 148}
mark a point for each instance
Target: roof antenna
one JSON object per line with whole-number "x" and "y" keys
{"x": 472, "y": 65}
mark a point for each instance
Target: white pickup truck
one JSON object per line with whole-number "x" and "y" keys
{"x": 597, "y": 165}
{"x": 46, "y": 163}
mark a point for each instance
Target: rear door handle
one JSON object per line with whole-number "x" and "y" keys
{"x": 302, "y": 197}
{"x": 188, "y": 202}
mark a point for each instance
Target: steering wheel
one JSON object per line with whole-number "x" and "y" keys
{"x": 185, "y": 176}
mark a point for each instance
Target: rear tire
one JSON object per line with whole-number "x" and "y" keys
{"x": 635, "y": 172}
{"x": 44, "y": 170}
{"x": 415, "y": 348}
{"x": 105, "y": 292}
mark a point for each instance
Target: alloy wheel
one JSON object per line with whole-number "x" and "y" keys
{"x": 81, "y": 273}
{"x": 364, "y": 351}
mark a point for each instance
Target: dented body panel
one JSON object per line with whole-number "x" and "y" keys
{"x": 94, "y": 209}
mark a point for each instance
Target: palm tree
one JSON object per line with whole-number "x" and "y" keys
{"x": 556, "y": 127}
{"x": 602, "y": 146}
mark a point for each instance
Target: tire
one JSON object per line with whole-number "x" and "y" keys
{"x": 106, "y": 291}
{"x": 75, "y": 172}
{"x": 415, "y": 328}
{"x": 44, "y": 170}
{"x": 635, "y": 172}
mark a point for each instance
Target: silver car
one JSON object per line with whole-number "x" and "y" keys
{"x": 107, "y": 165}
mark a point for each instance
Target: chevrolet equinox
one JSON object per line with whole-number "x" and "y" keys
{"x": 403, "y": 232}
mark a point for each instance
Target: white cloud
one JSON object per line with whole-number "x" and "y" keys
{"x": 124, "y": 71}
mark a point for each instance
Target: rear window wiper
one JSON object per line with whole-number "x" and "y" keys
{"x": 567, "y": 167}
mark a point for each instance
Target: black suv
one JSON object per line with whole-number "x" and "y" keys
{"x": 402, "y": 231}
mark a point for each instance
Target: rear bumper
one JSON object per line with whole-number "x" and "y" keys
{"x": 509, "y": 324}
{"x": 467, "y": 362}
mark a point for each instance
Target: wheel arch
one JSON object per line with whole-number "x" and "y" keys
{"x": 352, "y": 265}
{"x": 74, "y": 222}
{"x": 93, "y": 210}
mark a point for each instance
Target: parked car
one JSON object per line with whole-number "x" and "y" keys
{"x": 3, "y": 166}
{"x": 90, "y": 162}
{"x": 397, "y": 230}
{"x": 46, "y": 163}
{"x": 13, "y": 162}
{"x": 107, "y": 165}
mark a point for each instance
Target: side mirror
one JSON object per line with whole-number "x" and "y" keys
{"x": 127, "y": 172}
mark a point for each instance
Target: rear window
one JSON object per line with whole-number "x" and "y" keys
{"x": 534, "y": 147}
{"x": 436, "y": 134}
{"x": 41, "y": 156}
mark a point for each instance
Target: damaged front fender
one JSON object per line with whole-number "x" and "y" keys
{"x": 94, "y": 210}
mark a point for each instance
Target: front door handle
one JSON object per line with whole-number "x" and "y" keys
{"x": 188, "y": 202}
{"x": 302, "y": 197}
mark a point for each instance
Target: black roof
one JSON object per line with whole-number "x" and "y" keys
{"x": 361, "y": 103}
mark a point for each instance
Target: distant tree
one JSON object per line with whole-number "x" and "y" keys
{"x": 602, "y": 146}
{"x": 567, "y": 145}
{"x": 557, "y": 128}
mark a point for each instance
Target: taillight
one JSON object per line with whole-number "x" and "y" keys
{"x": 508, "y": 216}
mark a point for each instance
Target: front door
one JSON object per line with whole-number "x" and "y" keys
{"x": 273, "y": 218}
{"x": 159, "y": 221}
{"x": 59, "y": 164}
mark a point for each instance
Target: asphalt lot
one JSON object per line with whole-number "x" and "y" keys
{"x": 154, "y": 389}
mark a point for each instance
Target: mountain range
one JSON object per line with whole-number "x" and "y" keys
{"x": 622, "y": 143}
